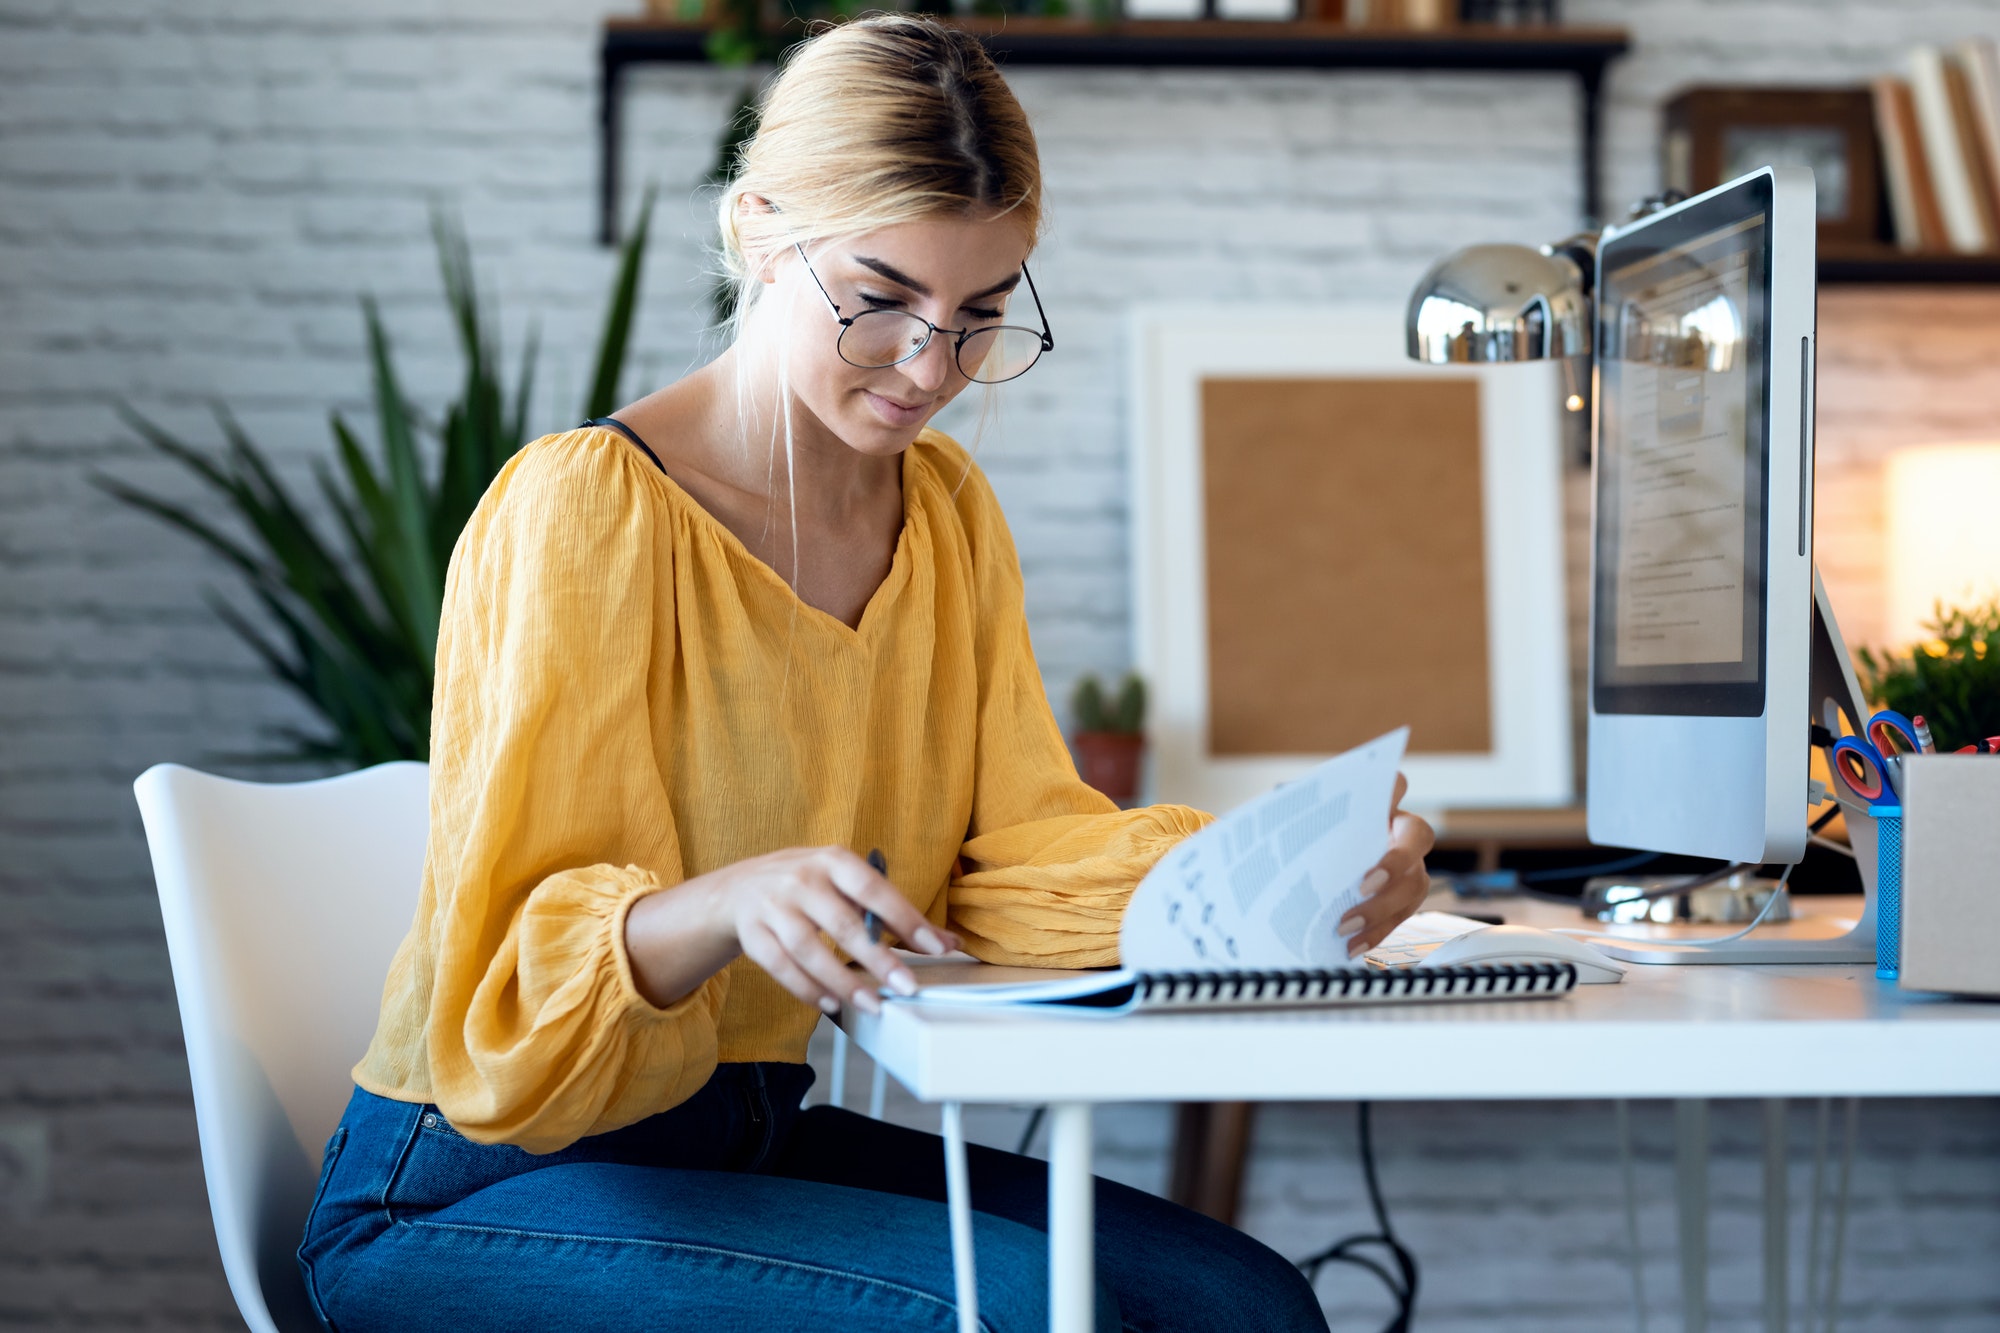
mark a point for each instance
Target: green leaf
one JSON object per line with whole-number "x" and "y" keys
{"x": 516, "y": 432}
{"x": 409, "y": 541}
{"x": 1086, "y": 704}
{"x": 602, "y": 399}
{"x": 1130, "y": 716}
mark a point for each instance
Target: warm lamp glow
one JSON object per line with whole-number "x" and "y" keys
{"x": 1944, "y": 537}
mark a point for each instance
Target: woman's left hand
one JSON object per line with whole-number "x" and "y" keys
{"x": 1398, "y": 884}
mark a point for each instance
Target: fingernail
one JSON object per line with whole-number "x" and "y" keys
{"x": 1372, "y": 883}
{"x": 867, "y": 1002}
{"x": 829, "y": 1006}
{"x": 930, "y": 941}
{"x": 1350, "y": 926}
{"x": 901, "y": 982}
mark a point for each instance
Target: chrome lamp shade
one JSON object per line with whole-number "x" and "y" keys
{"x": 1502, "y": 303}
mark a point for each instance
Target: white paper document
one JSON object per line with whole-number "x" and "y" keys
{"x": 1264, "y": 887}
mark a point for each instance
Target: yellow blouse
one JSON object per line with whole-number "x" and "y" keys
{"x": 626, "y": 698}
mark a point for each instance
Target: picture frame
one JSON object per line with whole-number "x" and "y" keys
{"x": 1493, "y": 624}
{"x": 1715, "y": 134}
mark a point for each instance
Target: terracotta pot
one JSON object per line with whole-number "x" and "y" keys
{"x": 1109, "y": 761}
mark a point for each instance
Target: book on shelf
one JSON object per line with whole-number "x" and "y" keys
{"x": 1913, "y": 203}
{"x": 1976, "y": 61}
{"x": 1949, "y": 133}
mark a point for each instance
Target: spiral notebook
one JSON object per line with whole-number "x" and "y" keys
{"x": 1245, "y": 914}
{"x": 1127, "y": 990}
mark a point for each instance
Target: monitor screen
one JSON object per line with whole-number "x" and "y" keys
{"x": 1683, "y": 449}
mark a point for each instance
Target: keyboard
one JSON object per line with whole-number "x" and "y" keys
{"x": 1411, "y": 942}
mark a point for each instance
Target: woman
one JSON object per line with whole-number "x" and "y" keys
{"x": 695, "y": 662}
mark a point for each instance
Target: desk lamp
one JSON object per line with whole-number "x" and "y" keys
{"x": 1497, "y": 303}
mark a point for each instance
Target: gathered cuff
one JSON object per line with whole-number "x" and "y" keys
{"x": 1052, "y": 892}
{"x": 555, "y": 1041}
{"x": 633, "y": 999}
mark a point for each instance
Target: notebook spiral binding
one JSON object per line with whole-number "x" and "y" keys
{"x": 1318, "y": 987}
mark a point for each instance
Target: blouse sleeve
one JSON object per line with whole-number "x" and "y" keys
{"x": 549, "y": 814}
{"x": 1049, "y": 862}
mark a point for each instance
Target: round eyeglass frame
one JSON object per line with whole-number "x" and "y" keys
{"x": 847, "y": 323}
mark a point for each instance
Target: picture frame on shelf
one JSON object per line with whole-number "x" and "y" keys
{"x": 1331, "y": 540}
{"x": 1713, "y": 134}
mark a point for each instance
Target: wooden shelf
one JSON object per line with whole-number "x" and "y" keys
{"x": 1885, "y": 264}
{"x": 1218, "y": 44}
{"x": 1188, "y": 44}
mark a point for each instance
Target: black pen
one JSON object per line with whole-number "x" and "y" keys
{"x": 869, "y": 921}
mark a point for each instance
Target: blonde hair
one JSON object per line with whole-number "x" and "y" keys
{"x": 877, "y": 122}
{"x": 883, "y": 120}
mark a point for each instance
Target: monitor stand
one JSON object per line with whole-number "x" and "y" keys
{"x": 1836, "y": 696}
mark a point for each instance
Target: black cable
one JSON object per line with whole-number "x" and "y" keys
{"x": 1546, "y": 896}
{"x": 1623, "y": 863}
{"x": 1402, "y": 1283}
{"x": 1028, "y": 1134}
{"x": 1688, "y": 884}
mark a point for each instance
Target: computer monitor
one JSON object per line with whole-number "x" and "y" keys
{"x": 1702, "y": 593}
{"x": 1712, "y": 647}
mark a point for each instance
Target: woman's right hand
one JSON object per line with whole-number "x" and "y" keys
{"x": 780, "y": 909}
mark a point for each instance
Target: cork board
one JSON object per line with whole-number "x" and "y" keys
{"x": 1346, "y": 564}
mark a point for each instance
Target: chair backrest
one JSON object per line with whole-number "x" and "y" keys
{"x": 283, "y": 905}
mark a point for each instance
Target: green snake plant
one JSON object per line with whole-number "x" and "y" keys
{"x": 349, "y": 617}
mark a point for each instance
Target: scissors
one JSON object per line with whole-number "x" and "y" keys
{"x": 1871, "y": 764}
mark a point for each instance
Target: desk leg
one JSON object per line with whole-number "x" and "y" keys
{"x": 1691, "y": 1203}
{"x": 1211, "y": 1142}
{"x": 1777, "y": 1191}
{"x": 1072, "y": 1279}
{"x": 958, "y": 1204}
{"x": 836, "y": 1079}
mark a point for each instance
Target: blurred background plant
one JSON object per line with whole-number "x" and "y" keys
{"x": 1095, "y": 711}
{"x": 350, "y": 623}
{"x": 1953, "y": 678}
{"x": 1110, "y": 735}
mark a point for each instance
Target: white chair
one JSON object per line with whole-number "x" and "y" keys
{"x": 283, "y": 905}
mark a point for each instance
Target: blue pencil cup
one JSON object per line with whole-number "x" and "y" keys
{"x": 1888, "y": 890}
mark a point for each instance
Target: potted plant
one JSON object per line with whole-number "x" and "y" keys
{"x": 350, "y": 620}
{"x": 1952, "y": 679}
{"x": 1110, "y": 736}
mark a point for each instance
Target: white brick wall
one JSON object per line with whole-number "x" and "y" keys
{"x": 193, "y": 194}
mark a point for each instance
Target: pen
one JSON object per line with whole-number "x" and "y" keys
{"x": 869, "y": 921}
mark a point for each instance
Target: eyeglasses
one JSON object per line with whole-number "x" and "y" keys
{"x": 995, "y": 354}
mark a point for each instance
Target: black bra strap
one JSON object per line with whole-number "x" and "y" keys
{"x": 613, "y": 423}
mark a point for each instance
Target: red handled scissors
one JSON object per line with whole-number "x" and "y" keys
{"x": 1871, "y": 764}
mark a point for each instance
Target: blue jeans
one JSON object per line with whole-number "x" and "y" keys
{"x": 738, "y": 1212}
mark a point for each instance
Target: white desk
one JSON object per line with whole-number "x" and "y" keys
{"x": 1666, "y": 1032}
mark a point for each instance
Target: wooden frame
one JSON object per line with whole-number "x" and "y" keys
{"x": 1710, "y": 134}
{"x": 1520, "y": 623}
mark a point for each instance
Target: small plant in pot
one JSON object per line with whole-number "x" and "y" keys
{"x": 1110, "y": 736}
{"x": 1953, "y": 678}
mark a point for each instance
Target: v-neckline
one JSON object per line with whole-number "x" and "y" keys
{"x": 884, "y": 591}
